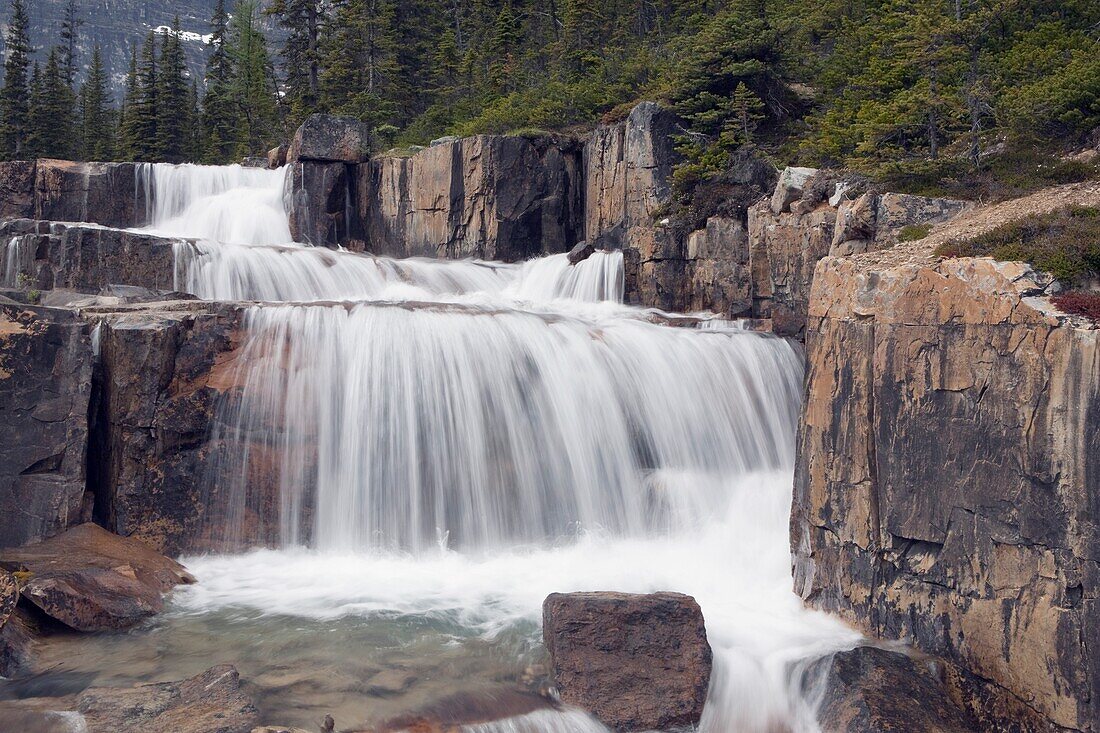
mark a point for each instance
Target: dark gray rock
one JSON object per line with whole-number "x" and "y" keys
{"x": 97, "y": 193}
{"x": 318, "y": 196}
{"x": 868, "y": 690}
{"x": 636, "y": 662}
{"x": 331, "y": 139}
{"x": 45, "y": 383}
{"x": 17, "y": 189}
{"x": 580, "y": 252}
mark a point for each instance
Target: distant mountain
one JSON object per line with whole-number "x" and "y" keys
{"x": 118, "y": 26}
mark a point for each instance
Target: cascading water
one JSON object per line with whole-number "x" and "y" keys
{"x": 228, "y": 204}
{"x": 426, "y": 459}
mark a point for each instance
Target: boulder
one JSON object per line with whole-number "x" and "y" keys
{"x": 17, "y": 189}
{"x": 790, "y": 187}
{"x": 92, "y": 580}
{"x": 45, "y": 384}
{"x": 636, "y": 662}
{"x": 947, "y": 473}
{"x": 276, "y": 157}
{"x": 331, "y": 139}
{"x": 581, "y": 251}
{"x": 868, "y": 690}
{"x": 897, "y": 210}
{"x": 212, "y": 702}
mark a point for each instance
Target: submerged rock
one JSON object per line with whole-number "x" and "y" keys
{"x": 636, "y": 662}
{"x": 211, "y": 702}
{"x": 867, "y": 690}
{"x": 92, "y": 580}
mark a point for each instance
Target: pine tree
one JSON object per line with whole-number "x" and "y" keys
{"x": 127, "y": 126}
{"x": 36, "y": 109}
{"x": 747, "y": 110}
{"x": 300, "y": 53}
{"x": 70, "y": 24}
{"x": 54, "y": 109}
{"x": 140, "y": 125}
{"x": 195, "y": 135}
{"x": 14, "y": 95}
{"x": 360, "y": 60}
{"x": 97, "y": 138}
{"x": 172, "y": 102}
{"x": 219, "y": 111}
{"x": 251, "y": 89}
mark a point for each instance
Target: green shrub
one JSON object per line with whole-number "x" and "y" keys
{"x": 913, "y": 232}
{"x": 1065, "y": 243}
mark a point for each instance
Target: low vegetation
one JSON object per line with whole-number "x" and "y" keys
{"x": 1065, "y": 243}
{"x": 1079, "y": 302}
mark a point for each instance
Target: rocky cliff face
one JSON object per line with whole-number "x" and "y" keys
{"x": 948, "y": 472}
{"x": 491, "y": 196}
{"x": 45, "y": 383}
{"x": 64, "y": 191}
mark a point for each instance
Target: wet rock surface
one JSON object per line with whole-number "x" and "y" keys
{"x": 93, "y": 580}
{"x": 636, "y": 662}
{"x": 947, "y": 473}
{"x": 318, "y": 196}
{"x": 17, "y": 189}
{"x": 163, "y": 367}
{"x": 45, "y": 386}
{"x": 98, "y": 193}
{"x": 212, "y": 702}
{"x": 868, "y": 690}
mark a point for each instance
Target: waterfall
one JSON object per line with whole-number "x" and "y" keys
{"x": 429, "y": 442}
{"x": 18, "y": 255}
{"x": 228, "y": 204}
{"x": 397, "y": 426}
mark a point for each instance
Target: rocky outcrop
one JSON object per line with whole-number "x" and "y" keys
{"x": 161, "y": 370}
{"x": 636, "y": 662}
{"x": 949, "y": 464}
{"x": 48, "y": 255}
{"x": 628, "y": 170}
{"x": 868, "y": 689}
{"x": 97, "y": 193}
{"x": 92, "y": 580}
{"x": 491, "y": 196}
{"x": 874, "y": 221}
{"x": 212, "y": 702}
{"x": 17, "y": 189}
{"x": 45, "y": 384}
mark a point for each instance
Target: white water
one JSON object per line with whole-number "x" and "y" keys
{"x": 229, "y": 204}
{"x": 439, "y": 461}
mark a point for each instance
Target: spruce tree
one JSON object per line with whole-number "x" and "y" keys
{"x": 172, "y": 99}
{"x": 127, "y": 131}
{"x": 194, "y": 135}
{"x": 251, "y": 88}
{"x": 36, "y": 109}
{"x": 54, "y": 110}
{"x": 219, "y": 111}
{"x": 141, "y": 130}
{"x": 14, "y": 95}
{"x": 70, "y": 25}
{"x": 360, "y": 60}
{"x": 97, "y": 133}
{"x": 300, "y": 53}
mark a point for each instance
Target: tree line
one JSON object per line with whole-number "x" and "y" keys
{"x": 165, "y": 113}
{"x": 874, "y": 85}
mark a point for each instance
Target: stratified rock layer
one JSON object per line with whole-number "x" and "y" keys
{"x": 45, "y": 383}
{"x": 948, "y": 473}
{"x": 636, "y": 662}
